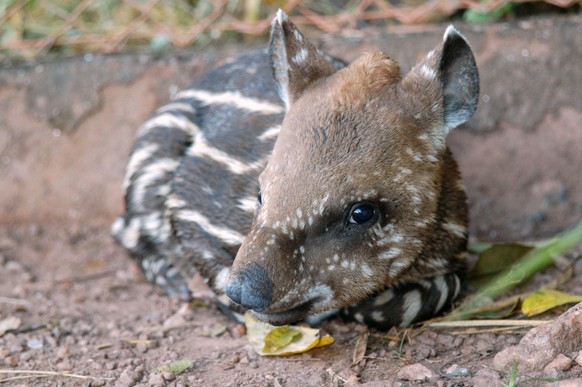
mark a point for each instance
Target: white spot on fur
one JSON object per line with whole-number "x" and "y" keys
{"x": 393, "y": 238}
{"x": 384, "y": 298}
{"x": 202, "y": 148}
{"x": 455, "y": 229}
{"x": 233, "y": 98}
{"x": 411, "y": 306}
{"x": 298, "y": 35}
{"x": 397, "y": 267}
{"x": 248, "y": 204}
{"x": 442, "y": 287}
{"x": 128, "y": 235}
{"x": 457, "y": 287}
{"x": 228, "y": 236}
{"x": 175, "y": 202}
{"x": 169, "y": 120}
{"x": 428, "y": 72}
{"x": 150, "y": 175}
{"x": 176, "y": 107}
{"x": 269, "y": 133}
{"x": 222, "y": 278}
{"x": 300, "y": 56}
{"x": 378, "y": 316}
{"x": 390, "y": 254}
{"x": 366, "y": 270}
{"x": 137, "y": 159}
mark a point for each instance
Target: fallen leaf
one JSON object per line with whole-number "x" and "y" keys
{"x": 279, "y": 337}
{"x": 269, "y": 340}
{"x": 9, "y": 324}
{"x": 543, "y": 300}
{"x": 361, "y": 345}
{"x": 176, "y": 367}
{"x": 498, "y": 257}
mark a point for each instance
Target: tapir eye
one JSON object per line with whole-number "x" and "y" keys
{"x": 259, "y": 199}
{"x": 363, "y": 213}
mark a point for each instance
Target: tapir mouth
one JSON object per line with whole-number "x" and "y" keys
{"x": 289, "y": 316}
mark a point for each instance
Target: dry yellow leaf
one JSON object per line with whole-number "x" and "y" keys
{"x": 542, "y": 300}
{"x": 270, "y": 340}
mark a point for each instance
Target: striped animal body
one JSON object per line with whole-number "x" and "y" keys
{"x": 341, "y": 198}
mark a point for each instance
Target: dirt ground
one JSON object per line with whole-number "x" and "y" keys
{"x": 66, "y": 130}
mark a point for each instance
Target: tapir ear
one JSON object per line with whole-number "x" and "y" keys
{"x": 446, "y": 80}
{"x": 296, "y": 63}
{"x": 460, "y": 79}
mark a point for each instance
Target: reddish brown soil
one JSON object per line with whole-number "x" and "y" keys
{"x": 66, "y": 132}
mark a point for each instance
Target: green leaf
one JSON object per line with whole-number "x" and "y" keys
{"x": 539, "y": 258}
{"x": 176, "y": 367}
{"x": 279, "y": 337}
{"x": 543, "y": 300}
{"x": 496, "y": 310}
{"x": 475, "y": 16}
{"x": 497, "y": 258}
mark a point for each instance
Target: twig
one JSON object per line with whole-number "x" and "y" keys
{"x": 41, "y": 374}
{"x": 487, "y": 323}
{"x": 13, "y": 301}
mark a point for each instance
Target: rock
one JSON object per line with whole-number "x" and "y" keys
{"x": 415, "y": 372}
{"x": 560, "y": 363}
{"x": 156, "y": 380}
{"x": 34, "y": 343}
{"x": 579, "y": 358}
{"x": 168, "y": 376}
{"x": 485, "y": 377}
{"x": 129, "y": 377}
{"x": 456, "y": 370}
{"x": 543, "y": 343}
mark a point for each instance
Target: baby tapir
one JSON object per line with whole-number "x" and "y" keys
{"x": 343, "y": 198}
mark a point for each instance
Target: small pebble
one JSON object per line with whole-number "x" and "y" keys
{"x": 579, "y": 359}
{"x": 415, "y": 372}
{"x": 168, "y": 376}
{"x": 457, "y": 370}
{"x": 488, "y": 373}
{"x": 64, "y": 366}
{"x": 156, "y": 380}
{"x": 12, "y": 361}
{"x": 560, "y": 363}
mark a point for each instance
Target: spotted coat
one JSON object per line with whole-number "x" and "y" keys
{"x": 325, "y": 188}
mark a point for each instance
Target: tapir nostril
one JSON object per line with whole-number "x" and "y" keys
{"x": 233, "y": 289}
{"x": 251, "y": 288}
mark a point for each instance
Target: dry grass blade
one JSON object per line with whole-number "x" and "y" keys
{"x": 28, "y": 374}
{"x": 487, "y": 323}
